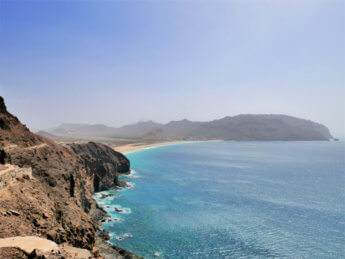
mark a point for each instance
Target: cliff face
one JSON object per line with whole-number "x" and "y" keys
{"x": 55, "y": 200}
{"x": 103, "y": 163}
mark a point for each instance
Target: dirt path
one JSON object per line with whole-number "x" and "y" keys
{"x": 29, "y": 243}
{"x": 13, "y": 146}
{"x": 7, "y": 168}
{"x": 36, "y": 147}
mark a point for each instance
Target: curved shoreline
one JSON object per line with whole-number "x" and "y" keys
{"x": 106, "y": 246}
{"x": 131, "y": 148}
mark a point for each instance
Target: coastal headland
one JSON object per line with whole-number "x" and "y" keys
{"x": 47, "y": 187}
{"x": 46, "y": 194}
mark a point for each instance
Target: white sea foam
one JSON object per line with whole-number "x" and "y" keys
{"x": 132, "y": 174}
{"x": 157, "y": 254}
{"x": 130, "y": 185}
{"x": 112, "y": 234}
{"x": 119, "y": 209}
{"x": 124, "y": 236}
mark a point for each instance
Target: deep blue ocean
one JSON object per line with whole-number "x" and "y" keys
{"x": 233, "y": 200}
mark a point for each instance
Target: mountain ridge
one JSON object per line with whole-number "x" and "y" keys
{"x": 243, "y": 127}
{"x": 82, "y": 129}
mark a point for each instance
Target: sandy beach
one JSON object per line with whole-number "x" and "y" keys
{"x": 125, "y": 149}
{"x": 128, "y": 148}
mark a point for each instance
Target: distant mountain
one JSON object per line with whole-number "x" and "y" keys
{"x": 75, "y": 129}
{"x": 46, "y": 134}
{"x": 183, "y": 129}
{"x": 136, "y": 129}
{"x": 100, "y": 130}
{"x": 241, "y": 127}
{"x": 51, "y": 136}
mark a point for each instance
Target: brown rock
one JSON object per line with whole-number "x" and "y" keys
{"x": 20, "y": 179}
{"x": 14, "y": 212}
{"x": 52, "y": 234}
{"x": 95, "y": 251}
{"x": 26, "y": 177}
{"x": 58, "y": 203}
{"x": 12, "y": 252}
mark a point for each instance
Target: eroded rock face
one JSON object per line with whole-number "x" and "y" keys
{"x": 56, "y": 202}
{"x": 103, "y": 163}
{"x": 104, "y": 153}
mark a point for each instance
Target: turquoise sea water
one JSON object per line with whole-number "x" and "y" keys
{"x": 233, "y": 200}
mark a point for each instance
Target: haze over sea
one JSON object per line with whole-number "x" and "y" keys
{"x": 233, "y": 199}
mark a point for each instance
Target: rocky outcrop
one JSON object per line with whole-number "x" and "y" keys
{"x": 102, "y": 163}
{"x": 55, "y": 201}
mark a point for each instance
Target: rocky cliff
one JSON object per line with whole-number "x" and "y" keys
{"x": 103, "y": 163}
{"x": 55, "y": 201}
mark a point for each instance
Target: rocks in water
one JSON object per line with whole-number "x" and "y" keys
{"x": 129, "y": 185}
{"x": 124, "y": 236}
{"x": 122, "y": 183}
{"x": 113, "y": 220}
{"x": 103, "y": 196}
{"x": 123, "y": 210}
{"x": 118, "y": 209}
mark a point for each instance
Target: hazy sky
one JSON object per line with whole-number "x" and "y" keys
{"x": 117, "y": 62}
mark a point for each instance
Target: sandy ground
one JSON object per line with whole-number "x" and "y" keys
{"x": 29, "y": 243}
